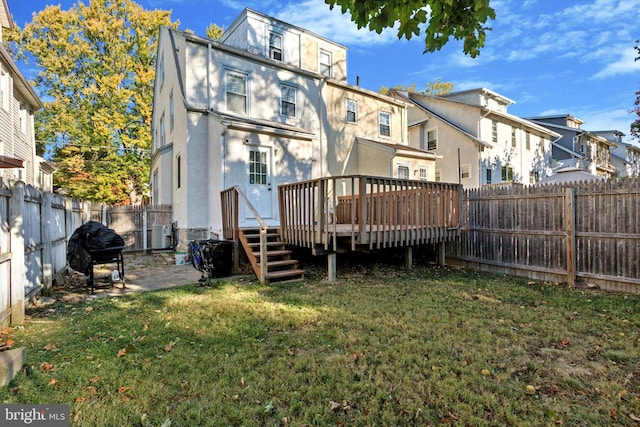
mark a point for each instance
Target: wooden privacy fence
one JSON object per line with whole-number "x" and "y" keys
{"x": 588, "y": 232}
{"x": 35, "y": 227}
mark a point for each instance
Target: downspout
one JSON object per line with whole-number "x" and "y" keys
{"x": 208, "y": 76}
{"x": 322, "y": 107}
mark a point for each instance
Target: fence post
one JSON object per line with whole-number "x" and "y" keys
{"x": 45, "y": 230}
{"x": 145, "y": 220}
{"x": 570, "y": 225}
{"x": 18, "y": 277}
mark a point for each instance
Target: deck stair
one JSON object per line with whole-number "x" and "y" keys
{"x": 280, "y": 266}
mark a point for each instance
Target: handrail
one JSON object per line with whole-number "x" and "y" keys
{"x": 229, "y": 201}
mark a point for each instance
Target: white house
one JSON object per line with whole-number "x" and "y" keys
{"x": 267, "y": 104}
{"x": 18, "y": 102}
{"x": 625, "y": 156}
{"x": 477, "y": 141}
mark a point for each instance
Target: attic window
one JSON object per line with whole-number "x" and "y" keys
{"x": 325, "y": 63}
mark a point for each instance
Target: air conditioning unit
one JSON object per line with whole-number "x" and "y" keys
{"x": 160, "y": 236}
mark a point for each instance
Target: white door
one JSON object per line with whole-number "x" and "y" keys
{"x": 258, "y": 184}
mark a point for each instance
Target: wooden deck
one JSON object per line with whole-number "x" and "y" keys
{"x": 350, "y": 213}
{"x": 353, "y": 213}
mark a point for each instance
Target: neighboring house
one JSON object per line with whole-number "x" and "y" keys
{"x": 477, "y": 141}
{"x": 625, "y": 156}
{"x": 18, "y": 102}
{"x": 267, "y": 104}
{"x": 578, "y": 147}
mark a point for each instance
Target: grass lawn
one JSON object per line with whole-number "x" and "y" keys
{"x": 384, "y": 346}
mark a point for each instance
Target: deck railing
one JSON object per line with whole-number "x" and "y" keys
{"x": 230, "y": 199}
{"x": 374, "y": 211}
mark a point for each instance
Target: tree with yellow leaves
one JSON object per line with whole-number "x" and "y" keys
{"x": 96, "y": 70}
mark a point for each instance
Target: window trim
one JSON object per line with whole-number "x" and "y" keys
{"x": 283, "y": 101}
{"x": 329, "y": 65}
{"x": 163, "y": 133}
{"x": 494, "y": 131}
{"x": 435, "y": 140}
{"x": 231, "y": 72}
{"x": 355, "y": 111}
{"x": 425, "y": 176}
{"x": 406, "y": 166}
{"x": 380, "y": 124}
{"x": 504, "y": 174}
{"x": 171, "y": 111}
{"x": 271, "y": 47}
{"x": 466, "y": 167}
{"x": 513, "y": 137}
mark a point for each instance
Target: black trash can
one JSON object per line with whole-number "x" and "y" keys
{"x": 213, "y": 257}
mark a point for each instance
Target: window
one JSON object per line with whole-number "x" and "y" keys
{"x": 155, "y": 187}
{"x": 179, "y": 171}
{"x": 465, "y": 171}
{"x": 438, "y": 176}
{"x": 325, "y": 63}
{"x": 384, "y": 121}
{"x": 352, "y": 111}
{"x": 534, "y": 177}
{"x": 4, "y": 90}
{"x": 494, "y": 131}
{"x": 236, "y": 92}
{"x": 507, "y": 174}
{"x": 423, "y": 174}
{"x": 171, "y": 111}
{"x": 403, "y": 172}
{"x": 275, "y": 46}
{"x": 528, "y": 140}
{"x": 432, "y": 140}
{"x": 162, "y": 132}
{"x": 489, "y": 176}
{"x": 23, "y": 118}
{"x": 161, "y": 71}
{"x": 288, "y": 100}
{"x": 257, "y": 167}
{"x": 513, "y": 137}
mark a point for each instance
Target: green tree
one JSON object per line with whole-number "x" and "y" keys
{"x": 460, "y": 19}
{"x": 435, "y": 88}
{"x": 635, "y": 125}
{"x": 96, "y": 71}
{"x": 214, "y": 32}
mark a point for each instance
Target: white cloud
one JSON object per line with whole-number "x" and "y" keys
{"x": 624, "y": 64}
{"x": 332, "y": 24}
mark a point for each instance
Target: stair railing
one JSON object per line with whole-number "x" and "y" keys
{"x": 229, "y": 202}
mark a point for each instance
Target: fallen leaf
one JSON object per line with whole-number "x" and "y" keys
{"x": 145, "y": 327}
{"x": 621, "y": 394}
{"x": 53, "y": 382}
{"x": 88, "y": 309}
{"x": 169, "y": 347}
{"x": 80, "y": 399}
{"x": 634, "y": 417}
{"x": 122, "y": 352}
{"x": 46, "y": 366}
{"x": 530, "y": 389}
{"x": 95, "y": 379}
{"x": 334, "y": 406}
{"x": 485, "y": 372}
{"x": 123, "y": 389}
{"x": 242, "y": 381}
{"x": 9, "y": 343}
{"x": 50, "y": 347}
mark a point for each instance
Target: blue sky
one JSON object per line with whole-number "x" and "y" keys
{"x": 549, "y": 56}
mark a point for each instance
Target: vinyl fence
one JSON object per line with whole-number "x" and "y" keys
{"x": 34, "y": 230}
{"x": 578, "y": 233}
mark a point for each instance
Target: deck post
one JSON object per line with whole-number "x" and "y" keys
{"x": 408, "y": 257}
{"x": 332, "y": 258}
{"x": 441, "y": 254}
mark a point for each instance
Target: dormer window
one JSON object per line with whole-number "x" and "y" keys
{"x": 275, "y": 46}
